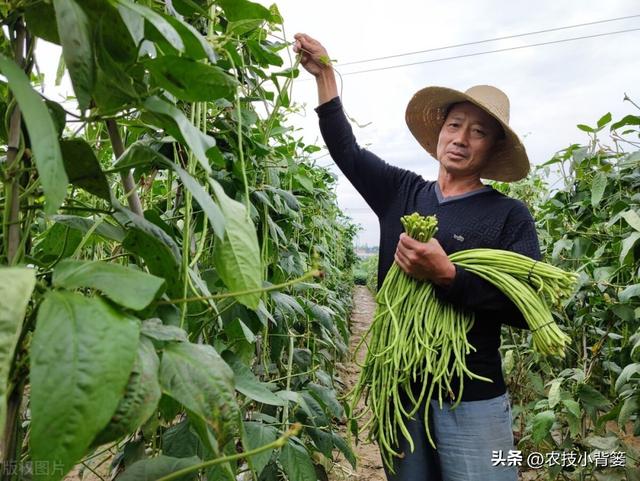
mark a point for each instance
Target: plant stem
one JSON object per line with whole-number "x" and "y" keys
{"x": 13, "y": 145}
{"x": 278, "y": 443}
{"x": 308, "y": 275}
{"x": 127, "y": 177}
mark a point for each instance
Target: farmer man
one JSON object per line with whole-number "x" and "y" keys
{"x": 469, "y": 135}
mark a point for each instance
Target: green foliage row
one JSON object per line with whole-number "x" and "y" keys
{"x": 586, "y": 202}
{"x": 177, "y": 274}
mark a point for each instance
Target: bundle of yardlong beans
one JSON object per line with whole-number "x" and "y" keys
{"x": 416, "y": 337}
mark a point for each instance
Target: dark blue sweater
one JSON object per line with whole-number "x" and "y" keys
{"x": 483, "y": 218}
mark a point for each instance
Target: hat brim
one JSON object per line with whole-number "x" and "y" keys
{"x": 426, "y": 113}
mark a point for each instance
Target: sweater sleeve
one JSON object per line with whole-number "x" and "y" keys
{"x": 471, "y": 291}
{"x": 375, "y": 180}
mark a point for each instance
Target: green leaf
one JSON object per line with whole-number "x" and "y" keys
{"x": 38, "y": 17}
{"x": 140, "y": 399}
{"x": 237, "y": 255}
{"x": 16, "y": 286}
{"x": 43, "y": 135}
{"x": 542, "y": 423}
{"x": 83, "y": 168}
{"x": 328, "y": 397}
{"x": 248, "y": 384}
{"x": 573, "y": 407}
{"x": 632, "y": 218}
{"x": 154, "y": 245}
{"x": 598, "y": 187}
{"x": 195, "y": 45}
{"x": 314, "y": 411}
{"x": 159, "y": 22}
{"x": 628, "y": 292}
{"x": 83, "y": 224}
{"x": 591, "y": 398}
{"x": 263, "y": 55}
{"x": 128, "y": 287}
{"x": 75, "y": 36}
{"x": 344, "y": 447}
{"x": 296, "y": 463}
{"x": 155, "y": 468}
{"x": 630, "y": 406}
{"x": 259, "y": 434}
{"x": 198, "y": 378}
{"x": 82, "y": 352}
{"x": 155, "y": 329}
{"x": 175, "y": 122}
{"x": 629, "y": 372}
{"x": 627, "y": 244}
{"x": 139, "y": 154}
{"x": 554, "y": 393}
{"x": 236, "y": 10}
{"x": 626, "y": 120}
{"x": 585, "y": 128}
{"x": 604, "y": 120}
{"x": 190, "y": 80}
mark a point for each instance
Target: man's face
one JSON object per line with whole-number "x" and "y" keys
{"x": 466, "y": 139}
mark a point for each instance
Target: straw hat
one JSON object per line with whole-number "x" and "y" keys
{"x": 426, "y": 114}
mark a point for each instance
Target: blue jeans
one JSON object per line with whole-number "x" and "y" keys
{"x": 465, "y": 438}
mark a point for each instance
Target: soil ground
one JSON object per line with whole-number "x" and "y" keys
{"x": 369, "y": 466}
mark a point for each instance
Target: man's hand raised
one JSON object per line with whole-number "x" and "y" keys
{"x": 313, "y": 56}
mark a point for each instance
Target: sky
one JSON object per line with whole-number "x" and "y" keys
{"x": 551, "y": 87}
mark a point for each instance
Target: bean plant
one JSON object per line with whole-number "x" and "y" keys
{"x": 586, "y": 204}
{"x": 176, "y": 273}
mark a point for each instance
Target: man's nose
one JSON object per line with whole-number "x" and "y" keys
{"x": 462, "y": 137}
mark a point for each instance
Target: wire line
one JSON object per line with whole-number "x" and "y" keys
{"x": 477, "y": 42}
{"x": 489, "y": 51}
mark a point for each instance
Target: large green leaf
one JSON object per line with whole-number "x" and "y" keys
{"x": 138, "y": 154}
{"x": 598, "y": 187}
{"x": 237, "y": 255}
{"x": 632, "y": 218}
{"x": 542, "y": 423}
{"x": 154, "y": 245}
{"x": 190, "y": 80}
{"x": 38, "y": 17}
{"x": 82, "y": 352}
{"x": 198, "y": 378}
{"x": 43, "y": 135}
{"x": 345, "y": 448}
{"x": 158, "y": 21}
{"x": 628, "y": 292}
{"x": 627, "y": 245}
{"x": 83, "y": 224}
{"x": 83, "y": 168}
{"x": 16, "y": 286}
{"x": 296, "y": 463}
{"x": 237, "y": 10}
{"x": 258, "y": 434}
{"x": 554, "y": 393}
{"x": 175, "y": 122}
{"x": 74, "y": 30}
{"x": 155, "y": 468}
{"x": 591, "y": 398}
{"x": 128, "y": 287}
{"x": 140, "y": 398}
{"x": 248, "y": 384}
{"x": 195, "y": 45}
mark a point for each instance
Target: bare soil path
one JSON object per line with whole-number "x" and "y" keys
{"x": 369, "y": 466}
